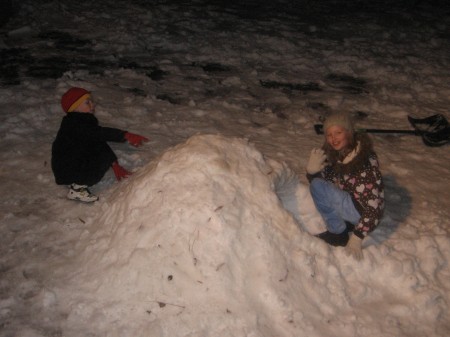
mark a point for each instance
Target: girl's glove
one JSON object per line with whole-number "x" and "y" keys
{"x": 119, "y": 171}
{"x": 316, "y": 161}
{"x": 354, "y": 247}
{"x": 134, "y": 139}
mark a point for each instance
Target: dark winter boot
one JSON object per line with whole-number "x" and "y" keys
{"x": 334, "y": 239}
{"x": 350, "y": 227}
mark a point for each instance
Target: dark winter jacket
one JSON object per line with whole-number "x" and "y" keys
{"x": 361, "y": 178}
{"x": 80, "y": 153}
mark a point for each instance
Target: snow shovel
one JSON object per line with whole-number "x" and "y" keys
{"x": 434, "y": 130}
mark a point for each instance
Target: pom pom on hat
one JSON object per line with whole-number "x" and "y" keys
{"x": 339, "y": 119}
{"x": 73, "y": 98}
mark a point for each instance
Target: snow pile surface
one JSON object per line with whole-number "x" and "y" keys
{"x": 198, "y": 244}
{"x": 195, "y": 244}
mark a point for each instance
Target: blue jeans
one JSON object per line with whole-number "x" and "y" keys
{"x": 334, "y": 204}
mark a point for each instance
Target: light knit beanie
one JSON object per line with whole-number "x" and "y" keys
{"x": 339, "y": 119}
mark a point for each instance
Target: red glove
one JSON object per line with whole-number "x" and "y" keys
{"x": 135, "y": 140}
{"x": 119, "y": 171}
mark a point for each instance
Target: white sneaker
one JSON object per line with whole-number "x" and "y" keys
{"x": 81, "y": 193}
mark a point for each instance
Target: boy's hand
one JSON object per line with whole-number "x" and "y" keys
{"x": 119, "y": 171}
{"x": 134, "y": 139}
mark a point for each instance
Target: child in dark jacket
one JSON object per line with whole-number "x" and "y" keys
{"x": 80, "y": 153}
{"x": 346, "y": 185}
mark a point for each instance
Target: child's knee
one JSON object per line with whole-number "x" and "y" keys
{"x": 317, "y": 186}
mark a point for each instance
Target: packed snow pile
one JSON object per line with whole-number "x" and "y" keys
{"x": 200, "y": 243}
{"x": 197, "y": 243}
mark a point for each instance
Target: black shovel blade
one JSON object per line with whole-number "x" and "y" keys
{"x": 431, "y": 124}
{"x": 437, "y": 138}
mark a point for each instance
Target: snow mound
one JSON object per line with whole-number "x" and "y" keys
{"x": 198, "y": 233}
{"x": 211, "y": 239}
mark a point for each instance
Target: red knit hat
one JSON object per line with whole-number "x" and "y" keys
{"x": 73, "y": 98}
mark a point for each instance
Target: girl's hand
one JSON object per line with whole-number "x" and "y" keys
{"x": 354, "y": 247}
{"x": 316, "y": 161}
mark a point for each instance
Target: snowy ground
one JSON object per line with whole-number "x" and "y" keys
{"x": 212, "y": 234}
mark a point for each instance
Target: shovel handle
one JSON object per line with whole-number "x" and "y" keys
{"x": 319, "y": 130}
